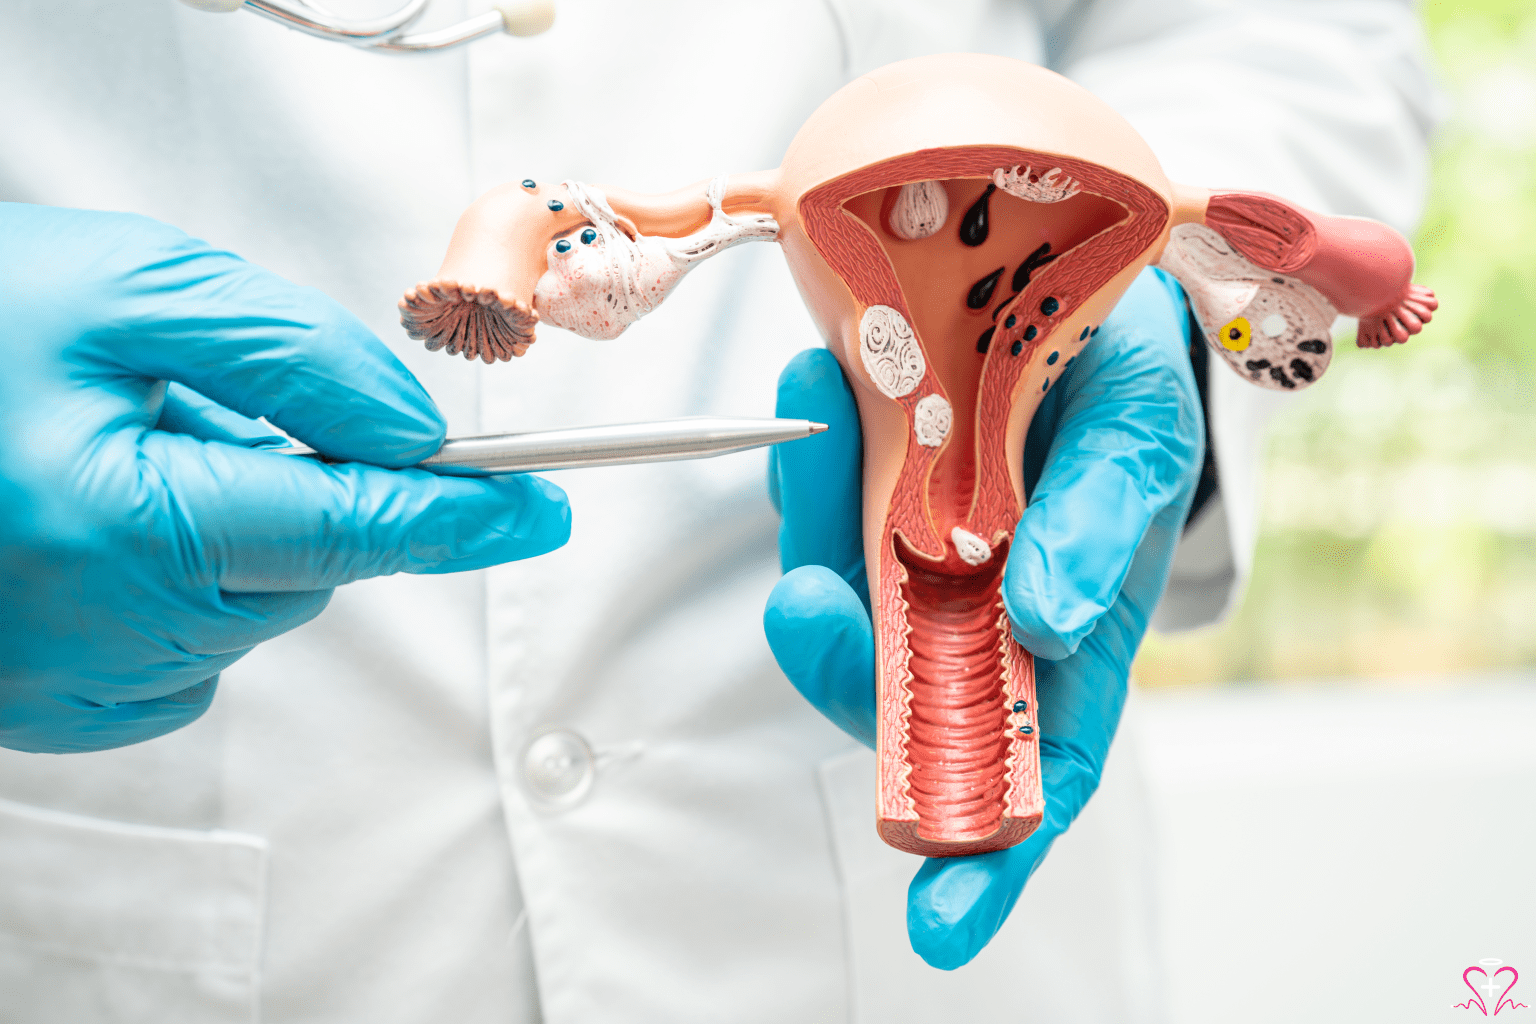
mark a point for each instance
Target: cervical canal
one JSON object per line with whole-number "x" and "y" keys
{"x": 958, "y": 734}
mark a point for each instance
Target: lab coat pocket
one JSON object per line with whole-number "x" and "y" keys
{"x": 108, "y": 922}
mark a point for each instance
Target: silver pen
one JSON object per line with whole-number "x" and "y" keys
{"x": 618, "y": 444}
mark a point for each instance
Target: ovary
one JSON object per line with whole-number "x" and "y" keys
{"x": 603, "y": 275}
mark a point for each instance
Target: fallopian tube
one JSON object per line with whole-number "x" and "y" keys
{"x": 959, "y": 227}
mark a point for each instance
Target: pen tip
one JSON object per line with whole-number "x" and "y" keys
{"x": 817, "y": 428}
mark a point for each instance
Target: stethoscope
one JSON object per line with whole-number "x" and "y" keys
{"x": 389, "y": 33}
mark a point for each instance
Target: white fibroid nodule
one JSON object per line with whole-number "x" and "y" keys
{"x": 971, "y": 548}
{"x": 1050, "y": 187}
{"x": 890, "y": 352}
{"x": 600, "y": 280}
{"x": 931, "y": 420}
{"x": 920, "y": 210}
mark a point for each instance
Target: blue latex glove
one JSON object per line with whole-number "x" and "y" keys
{"x": 144, "y": 544}
{"x": 1112, "y": 458}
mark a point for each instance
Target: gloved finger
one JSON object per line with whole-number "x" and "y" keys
{"x": 158, "y": 652}
{"x": 167, "y": 306}
{"x": 955, "y": 905}
{"x": 822, "y": 638}
{"x": 819, "y": 480}
{"x": 163, "y": 651}
{"x": 256, "y": 521}
{"x": 184, "y": 411}
{"x": 214, "y": 630}
{"x": 1121, "y": 454}
{"x": 70, "y": 725}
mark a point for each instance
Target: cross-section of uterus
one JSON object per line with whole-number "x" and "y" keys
{"x": 959, "y": 228}
{"x": 957, "y": 333}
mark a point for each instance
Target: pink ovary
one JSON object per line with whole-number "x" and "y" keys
{"x": 604, "y": 280}
{"x": 596, "y": 292}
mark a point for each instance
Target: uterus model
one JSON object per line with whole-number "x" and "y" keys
{"x": 959, "y": 227}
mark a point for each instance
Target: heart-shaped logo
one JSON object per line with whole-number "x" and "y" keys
{"x": 1493, "y": 990}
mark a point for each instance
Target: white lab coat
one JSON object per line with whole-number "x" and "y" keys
{"x": 350, "y": 834}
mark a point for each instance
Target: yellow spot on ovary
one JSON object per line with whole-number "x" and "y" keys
{"x": 1236, "y": 336}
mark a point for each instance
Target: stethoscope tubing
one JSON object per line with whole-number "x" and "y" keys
{"x": 389, "y": 34}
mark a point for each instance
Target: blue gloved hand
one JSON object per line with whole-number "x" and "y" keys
{"x": 1111, "y": 459}
{"x": 145, "y": 544}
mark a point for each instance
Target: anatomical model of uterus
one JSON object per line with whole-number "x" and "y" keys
{"x": 959, "y": 227}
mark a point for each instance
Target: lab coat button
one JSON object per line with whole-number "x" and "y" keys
{"x": 558, "y": 768}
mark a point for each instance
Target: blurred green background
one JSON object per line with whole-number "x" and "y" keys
{"x": 1399, "y": 518}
